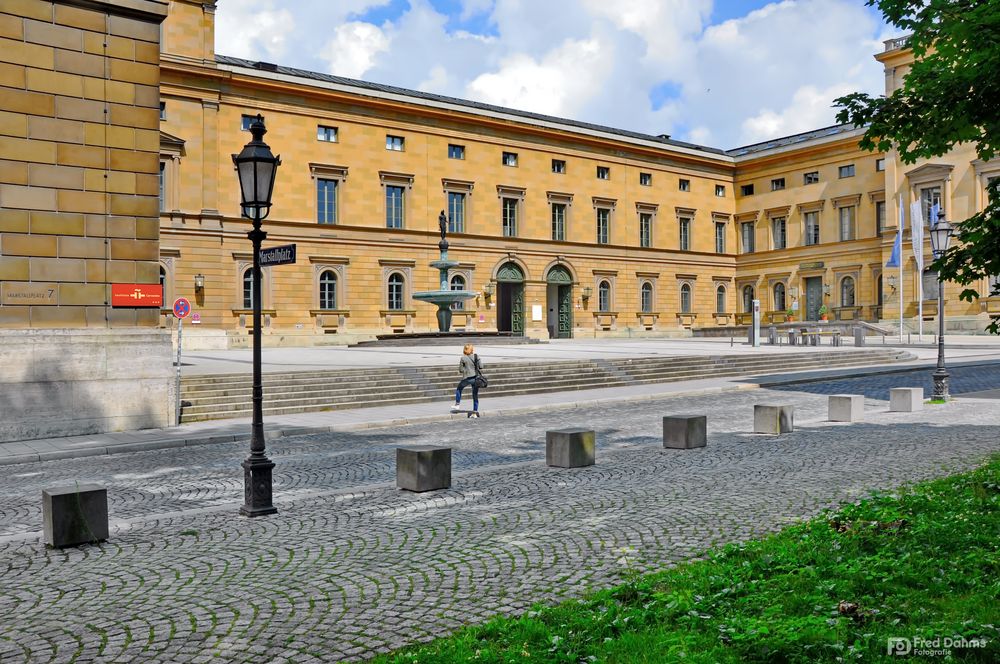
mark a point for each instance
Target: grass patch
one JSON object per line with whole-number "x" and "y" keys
{"x": 190, "y": 533}
{"x": 923, "y": 562}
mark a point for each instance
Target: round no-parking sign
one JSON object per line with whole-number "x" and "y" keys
{"x": 182, "y": 307}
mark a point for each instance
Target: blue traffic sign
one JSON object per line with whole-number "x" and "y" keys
{"x": 182, "y": 307}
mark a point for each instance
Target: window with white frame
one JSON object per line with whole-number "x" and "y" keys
{"x": 646, "y": 297}
{"x": 779, "y": 297}
{"x": 929, "y": 197}
{"x": 558, "y": 221}
{"x": 879, "y": 217}
{"x": 645, "y": 229}
{"x": 509, "y": 159}
{"x": 720, "y": 190}
{"x": 747, "y": 237}
{"x": 559, "y": 166}
{"x": 457, "y": 283}
{"x": 812, "y": 227}
{"x": 748, "y": 298}
{"x": 456, "y": 151}
{"x": 720, "y": 237}
{"x": 777, "y": 184}
{"x": 328, "y": 290}
{"x": 846, "y": 171}
{"x": 394, "y": 143}
{"x": 604, "y": 296}
{"x": 163, "y": 188}
{"x": 720, "y": 299}
{"x": 247, "y": 120}
{"x": 248, "y": 288}
{"x": 326, "y": 201}
{"x": 847, "y": 292}
{"x": 394, "y": 205}
{"x": 683, "y": 184}
{"x": 456, "y": 211}
{"x": 880, "y": 164}
{"x": 603, "y": 225}
{"x": 508, "y": 210}
{"x": 848, "y": 230}
{"x": 812, "y": 177}
{"x": 326, "y": 134}
{"x": 603, "y": 172}
{"x": 684, "y": 233}
{"x": 394, "y": 291}
{"x": 646, "y": 179}
{"x": 779, "y": 232}
{"x": 685, "y": 298}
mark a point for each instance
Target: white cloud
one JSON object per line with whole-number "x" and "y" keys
{"x": 253, "y": 28}
{"x": 353, "y": 48}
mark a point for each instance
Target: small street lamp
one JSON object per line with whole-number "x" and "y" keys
{"x": 256, "y": 167}
{"x": 940, "y": 237}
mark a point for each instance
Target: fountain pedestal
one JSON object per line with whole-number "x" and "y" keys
{"x": 444, "y": 297}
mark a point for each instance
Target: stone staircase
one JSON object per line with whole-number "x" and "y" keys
{"x": 225, "y": 396}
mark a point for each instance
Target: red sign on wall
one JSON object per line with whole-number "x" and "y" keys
{"x": 136, "y": 295}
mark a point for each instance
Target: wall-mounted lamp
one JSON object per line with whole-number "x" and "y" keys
{"x": 199, "y": 282}
{"x": 826, "y": 290}
{"x": 488, "y": 289}
{"x": 892, "y": 282}
{"x": 587, "y": 292}
{"x": 793, "y": 291}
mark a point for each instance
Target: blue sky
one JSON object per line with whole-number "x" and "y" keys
{"x": 722, "y": 73}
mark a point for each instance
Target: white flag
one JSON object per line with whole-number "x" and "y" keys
{"x": 917, "y": 234}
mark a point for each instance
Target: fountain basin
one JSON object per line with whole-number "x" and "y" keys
{"x": 447, "y": 297}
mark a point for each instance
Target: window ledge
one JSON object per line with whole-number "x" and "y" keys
{"x": 335, "y": 312}
{"x": 249, "y": 312}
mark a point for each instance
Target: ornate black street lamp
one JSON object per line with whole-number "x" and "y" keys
{"x": 256, "y": 167}
{"x": 940, "y": 237}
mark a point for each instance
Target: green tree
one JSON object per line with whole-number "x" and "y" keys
{"x": 950, "y": 96}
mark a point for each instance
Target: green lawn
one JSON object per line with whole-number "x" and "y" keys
{"x": 920, "y": 562}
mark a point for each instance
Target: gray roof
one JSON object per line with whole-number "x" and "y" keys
{"x": 790, "y": 140}
{"x": 378, "y": 87}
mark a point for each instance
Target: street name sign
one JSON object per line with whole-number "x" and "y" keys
{"x": 283, "y": 255}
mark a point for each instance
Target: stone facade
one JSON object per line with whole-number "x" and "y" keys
{"x": 79, "y": 141}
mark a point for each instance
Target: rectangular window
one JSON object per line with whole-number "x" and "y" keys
{"x": 603, "y": 173}
{"x": 246, "y": 121}
{"x": 558, "y": 166}
{"x": 847, "y": 231}
{"x": 394, "y": 143}
{"x": 812, "y": 228}
{"x": 645, "y": 229}
{"x": 684, "y": 228}
{"x": 456, "y": 212}
{"x": 720, "y": 190}
{"x": 846, "y": 171}
{"x": 163, "y": 110}
{"x": 777, "y": 184}
{"x": 746, "y": 237}
{"x": 879, "y": 217}
{"x": 393, "y": 206}
{"x": 720, "y": 237}
{"x": 603, "y": 225}
{"x": 779, "y": 232}
{"x": 646, "y": 179}
{"x": 163, "y": 200}
{"x": 509, "y": 159}
{"x": 559, "y": 222}
{"x": 456, "y": 151}
{"x": 811, "y": 177}
{"x": 509, "y": 214}
{"x": 326, "y": 134}
{"x": 326, "y": 201}
{"x": 684, "y": 185}
{"x": 880, "y": 165}
{"x": 746, "y": 190}
{"x": 929, "y": 196}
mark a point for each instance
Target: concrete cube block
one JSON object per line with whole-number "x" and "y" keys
{"x": 683, "y": 432}
{"x": 906, "y": 399}
{"x": 847, "y": 407}
{"x": 859, "y": 336}
{"x": 423, "y": 468}
{"x": 773, "y": 418}
{"x": 74, "y": 514}
{"x": 570, "y": 448}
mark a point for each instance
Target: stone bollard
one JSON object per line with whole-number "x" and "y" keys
{"x": 772, "y": 418}
{"x": 835, "y": 340}
{"x": 814, "y": 339}
{"x": 906, "y": 399}
{"x": 570, "y": 448}
{"x": 772, "y": 335}
{"x": 423, "y": 468}
{"x": 793, "y": 338}
{"x": 847, "y": 408}
{"x": 683, "y": 432}
{"x": 859, "y": 336}
{"x": 76, "y": 514}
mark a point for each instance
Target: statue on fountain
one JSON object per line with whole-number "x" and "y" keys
{"x": 444, "y": 297}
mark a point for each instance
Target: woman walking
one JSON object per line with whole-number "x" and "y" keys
{"x": 471, "y": 369}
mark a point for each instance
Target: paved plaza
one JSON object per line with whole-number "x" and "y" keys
{"x": 350, "y": 566}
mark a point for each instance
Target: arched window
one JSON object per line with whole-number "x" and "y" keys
{"x": 748, "y": 298}
{"x": 685, "y": 298}
{"x": 720, "y": 299}
{"x": 847, "y": 292}
{"x": 646, "y": 297}
{"x": 604, "y": 296}
{"x": 248, "y": 288}
{"x": 328, "y": 290}
{"x": 395, "y": 291}
{"x": 779, "y": 297}
{"x": 458, "y": 283}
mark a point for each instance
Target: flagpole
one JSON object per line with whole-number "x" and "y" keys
{"x": 902, "y": 219}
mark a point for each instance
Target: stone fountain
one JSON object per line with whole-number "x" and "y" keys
{"x": 444, "y": 297}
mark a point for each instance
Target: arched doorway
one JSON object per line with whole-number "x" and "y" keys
{"x": 510, "y": 299}
{"x": 559, "y": 296}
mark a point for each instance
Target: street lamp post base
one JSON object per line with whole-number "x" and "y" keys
{"x": 940, "y": 386}
{"x": 257, "y": 487}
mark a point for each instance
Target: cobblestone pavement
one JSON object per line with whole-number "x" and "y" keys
{"x": 963, "y": 379}
{"x": 351, "y": 566}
